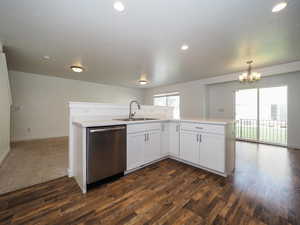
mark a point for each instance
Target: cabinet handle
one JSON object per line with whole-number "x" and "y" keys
{"x": 177, "y": 128}
{"x": 200, "y": 138}
{"x": 197, "y": 138}
{"x": 106, "y": 129}
{"x": 145, "y": 139}
{"x": 148, "y": 137}
{"x": 200, "y": 128}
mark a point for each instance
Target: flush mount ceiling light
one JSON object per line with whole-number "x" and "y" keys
{"x": 184, "y": 47}
{"x": 46, "y": 57}
{"x": 143, "y": 82}
{"x": 249, "y": 76}
{"x": 77, "y": 69}
{"x": 279, "y": 6}
{"x": 119, "y": 6}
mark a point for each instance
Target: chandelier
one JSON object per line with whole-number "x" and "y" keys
{"x": 249, "y": 76}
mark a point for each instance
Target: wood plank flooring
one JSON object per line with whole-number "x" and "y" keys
{"x": 264, "y": 190}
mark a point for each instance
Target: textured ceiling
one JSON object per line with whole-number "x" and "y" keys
{"x": 115, "y": 48}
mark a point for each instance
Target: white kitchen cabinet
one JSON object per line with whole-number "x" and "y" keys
{"x": 174, "y": 128}
{"x": 143, "y": 144}
{"x": 164, "y": 139}
{"x": 152, "y": 146}
{"x": 212, "y": 151}
{"x": 189, "y": 146}
{"x": 205, "y": 145}
{"x": 135, "y": 150}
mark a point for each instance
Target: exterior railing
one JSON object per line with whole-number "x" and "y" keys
{"x": 270, "y": 131}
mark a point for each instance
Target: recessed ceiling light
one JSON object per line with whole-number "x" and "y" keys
{"x": 77, "y": 69}
{"x": 184, "y": 47}
{"x": 143, "y": 82}
{"x": 279, "y": 6}
{"x": 119, "y": 6}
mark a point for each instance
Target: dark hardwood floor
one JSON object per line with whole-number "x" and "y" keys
{"x": 265, "y": 189}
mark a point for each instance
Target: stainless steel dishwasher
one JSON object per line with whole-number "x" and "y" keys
{"x": 106, "y": 152}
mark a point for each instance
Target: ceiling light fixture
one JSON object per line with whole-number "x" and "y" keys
{"x": 249, "y": 76}
{"x": 119, "y": 6}
{"x": 143, "y": 82}
{"x": 77, "y": 69}
{"x": 46, "y": 57}
{"x": 279, "y": 6}
{"x": 184, "y": 47}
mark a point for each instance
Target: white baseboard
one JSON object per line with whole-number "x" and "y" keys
{"x": 38, "y": 139}
{"x": 70, "y": 173}
{"x": 3, "y": 155}
{"x": 179, "y": 160}
{"x": 145, "y": 165}
{"x": 198, "y": 166}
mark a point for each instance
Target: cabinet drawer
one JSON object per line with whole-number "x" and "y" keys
{"x": 200, "y": 127}
{"x": 133, "y": 128}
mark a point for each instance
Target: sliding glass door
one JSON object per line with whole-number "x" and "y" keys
{"x": 261, "y": 115}
{"x": 246, "y": 114}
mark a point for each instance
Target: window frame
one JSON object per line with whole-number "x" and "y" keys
{"x": 166, "y": 95}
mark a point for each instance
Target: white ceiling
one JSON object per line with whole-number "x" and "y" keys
{"x": 115, "y": 48}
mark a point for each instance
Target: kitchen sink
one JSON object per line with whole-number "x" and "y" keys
{"x": 137, "y": 119}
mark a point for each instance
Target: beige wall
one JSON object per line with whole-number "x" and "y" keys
{"x": 5, "y": 101}
{"x": 192, "y": 97}
{"x": 41, "y": 102}
{"x": 216, "y": 101}
{"x": 220, "y": 101}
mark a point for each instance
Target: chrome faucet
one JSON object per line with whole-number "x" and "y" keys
{"x": 131, "y": 114}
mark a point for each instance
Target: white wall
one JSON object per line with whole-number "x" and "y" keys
{"x": 192, "y": 97}
{"x": 40, "y": 102}
{"x": 220, "y": 98}
{"x": 5, "y": 102}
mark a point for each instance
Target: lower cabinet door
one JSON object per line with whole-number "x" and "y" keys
{"x": 212, "y": 152}
{"x": 189, "y": 146}
{"x": 174, "y": 139}
{"x": 135, "y": 150}
{"x": 164, "y": 149}
{"x": 153, "y": 146}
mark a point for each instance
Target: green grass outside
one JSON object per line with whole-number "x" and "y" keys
{"x": 267, "y": 134}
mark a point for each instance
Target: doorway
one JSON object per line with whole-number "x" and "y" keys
{"x": 261, "y": 115}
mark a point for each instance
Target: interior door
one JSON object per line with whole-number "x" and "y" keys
{"x": 153, "y": 145}
{"x": 212, "y": 152}
{"x": 189, "y": 146}
{"x": 135, "y": 150}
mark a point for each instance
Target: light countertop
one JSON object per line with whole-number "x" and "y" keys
{"x": 111, "y": 122}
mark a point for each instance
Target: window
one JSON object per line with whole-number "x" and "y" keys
{"x": 169, "y": 99}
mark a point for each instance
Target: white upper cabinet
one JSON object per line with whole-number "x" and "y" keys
{"x": 189, "y": 146}
{"x": 174, "y": 128}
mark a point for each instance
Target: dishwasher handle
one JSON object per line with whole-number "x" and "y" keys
{"x": 106, "y": 129}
